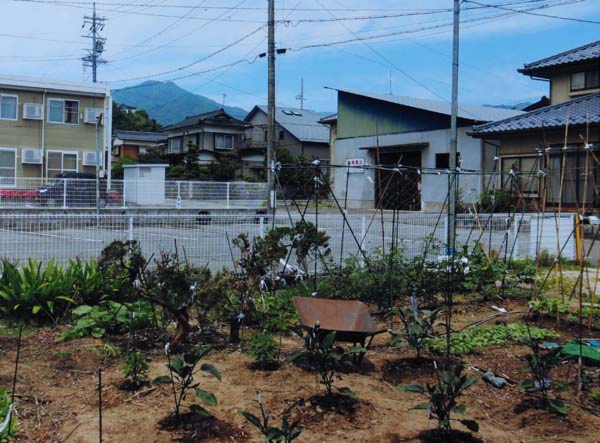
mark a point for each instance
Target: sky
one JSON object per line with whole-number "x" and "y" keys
{"x": 212, "y": 47}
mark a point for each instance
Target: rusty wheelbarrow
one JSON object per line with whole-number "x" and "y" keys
{"x": 349, "y": 319}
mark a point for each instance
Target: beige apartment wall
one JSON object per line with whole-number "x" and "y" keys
{"x": 24, "y": 133}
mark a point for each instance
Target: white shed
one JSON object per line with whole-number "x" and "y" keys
{"x": 144, "y": 184}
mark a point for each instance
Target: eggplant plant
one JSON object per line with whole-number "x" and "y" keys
{"x": 182, "y": 371}
{"x": 286, "y": 433}
{"x": 326, "y": 357}
{"x": 136, "y": 370}
{"x": 540, "y": 363}
{"x": 443, "y": 397}
{"x": 417, "y": 327}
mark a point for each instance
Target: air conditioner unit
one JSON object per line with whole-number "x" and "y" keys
{"x": 33, "y": 111}
{"x": 31, "y": 156}
{"x": 90, "y": 115}
{"x": 89, "y": 158}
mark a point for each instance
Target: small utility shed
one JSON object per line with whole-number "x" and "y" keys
{"x": 387, "y": 130}
{"x": 144, "y": 184}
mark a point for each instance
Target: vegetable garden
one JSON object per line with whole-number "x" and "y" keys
{"x": 153, "y": 349}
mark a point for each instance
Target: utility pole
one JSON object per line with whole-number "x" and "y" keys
{"x": 271, "y": 98}
{"x": 94, "y": 56}
{"x": 224, "y": 99}
{"x": 453, "y": 178}
{"x": 301, "y": 96}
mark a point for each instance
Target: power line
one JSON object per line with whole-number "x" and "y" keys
{"x": 195, "y": 62}
{"x": 538, "y": 14}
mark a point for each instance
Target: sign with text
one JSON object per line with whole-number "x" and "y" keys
{"x": 355, "y": 165}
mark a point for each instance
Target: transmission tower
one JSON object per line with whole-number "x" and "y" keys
{"x": 94, "y": 56}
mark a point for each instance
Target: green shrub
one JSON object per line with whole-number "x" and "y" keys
{"x": 264, "y": 349}
{"x": 476, "y": 339}
{"x": 596, "y": 396}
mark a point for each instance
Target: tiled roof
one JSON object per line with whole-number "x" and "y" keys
{"x": 470, "y": 112}
{"x": 155, "y": 137}
{"x": 301, "y": 123}
{"x": 581, "y": 111}
{"x": 583, "y": 53}
{"x": 198, "y": 119}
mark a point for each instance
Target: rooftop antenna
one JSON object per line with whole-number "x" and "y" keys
{"x": 391, "y": 93}
{"x": 94, "y": 55}
{"x": 224, "y": 98}
{"x": 300, "y": 97}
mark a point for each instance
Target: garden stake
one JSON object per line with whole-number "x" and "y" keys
{"x": 14, "y": 384}
{"x": 100, "y": 403}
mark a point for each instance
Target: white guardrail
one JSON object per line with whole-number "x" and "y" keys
{"x": 77, "y": 193}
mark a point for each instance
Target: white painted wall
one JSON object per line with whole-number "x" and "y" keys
{"x": 434, "y": 188}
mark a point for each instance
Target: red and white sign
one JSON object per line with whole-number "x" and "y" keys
{"x": 355, "y": 165}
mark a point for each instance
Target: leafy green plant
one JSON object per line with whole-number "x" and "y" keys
{"x": 443, "y": 397}
{"x": 10, "y": 430}
{"x": 265, "y": 350}
{"x": 417, "y": 327}
{"x": 109, "y": 317}
{"x": 540, "y": 364}
{"x": 476, "y": 339}
{"x": 31, "y": 291}
{"x": 136, "y": 370}
{"x": 88, "y": 283}
{"x": 182, "y": 371}
{"x": 326, "y": 358}
{"x": 286, "y": 433}
{"x": 596, "y": 396}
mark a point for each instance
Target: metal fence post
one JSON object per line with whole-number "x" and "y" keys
{"x": 445, "y": 231}
{"x": 261, "y": 229}
{"x": 124, "y": 193}
{"x": 516, "y": 229}
{"x": 64, "y": 193}
{"x": 227, "y": 195}
{"x": 130, "y": 232}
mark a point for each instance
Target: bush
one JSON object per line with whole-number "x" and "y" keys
{"x": 264, "y": 349}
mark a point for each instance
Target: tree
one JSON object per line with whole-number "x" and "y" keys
{"x": 138, "y": 120}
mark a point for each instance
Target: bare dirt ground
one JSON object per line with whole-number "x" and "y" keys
{"x": 58, "y": 397}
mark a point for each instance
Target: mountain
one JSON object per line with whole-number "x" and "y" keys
{"x": 168, "y": 103}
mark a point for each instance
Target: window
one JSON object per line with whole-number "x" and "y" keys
{"x": 585, "y": 80}
{"x": 63, "y": 111}
{"x": 281, "y": 135}
{"x": 223, "y": 141}
{"x": 528, "y": 182}
{"x": 60, "y": 162}
{"x": 8, "y": 167}
{"x": 8, "y": 107}
{"x": 175, "y": 145}
{"x": 442, "y": 160}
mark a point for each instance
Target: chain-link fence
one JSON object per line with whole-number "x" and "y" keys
{"x": 206, "y": 239}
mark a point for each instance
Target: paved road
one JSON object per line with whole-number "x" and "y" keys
{"x": 207, "y": 240}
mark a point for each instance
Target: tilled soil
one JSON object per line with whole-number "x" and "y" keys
{"x": 58, "y": 397}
